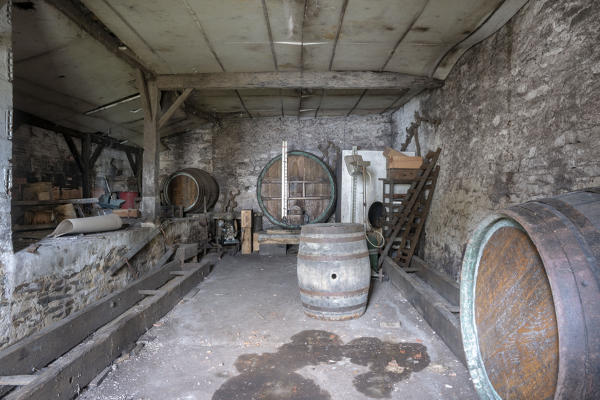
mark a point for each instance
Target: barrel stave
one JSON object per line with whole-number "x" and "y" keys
{"x": 333, "y": 271}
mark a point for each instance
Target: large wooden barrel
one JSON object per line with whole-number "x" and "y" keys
{"x": 333, "y": 271}
{"x": 530, "y": 300}
{"x": 188, "y": 188}
{"x": 311, "y": 190}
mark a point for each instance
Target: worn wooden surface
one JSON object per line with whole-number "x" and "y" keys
{"x": 440, "y": 282}
{"x": 516, "y": 322}
{"x": 66, "y": 376}
{"x": 304, "y": 79}
{"x": 435, "y": 309}
{"x": 246, "y": 223}
{"x": 334, "y": 272}
{"x": 310, "y": 189}
{"x": 39, "y": 349}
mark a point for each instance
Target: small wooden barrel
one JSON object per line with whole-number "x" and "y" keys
{"x": 189, "y": 187}
{"x": 530, "y": 300}
{"x": 333, "y": 271}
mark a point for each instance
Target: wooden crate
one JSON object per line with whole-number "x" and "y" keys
{"x": 403, "y": 174}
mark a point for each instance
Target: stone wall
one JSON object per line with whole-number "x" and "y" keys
{"x": 6, "y": 262}
{"x": 66, "y": 274}
{"x": 188, "y": 150}
{"x": 520, "y": 119}
{"x": 40, "y": 155}
{"x": 243, "y": 147}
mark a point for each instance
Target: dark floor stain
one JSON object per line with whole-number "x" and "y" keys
{"x": 272, "y": 376}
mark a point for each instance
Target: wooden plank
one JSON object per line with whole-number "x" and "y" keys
{"x": 186, "y": 251}
{"x": 90, "y": 200}
{"x": 176, "y": 104}
{"x": 246, "y": 223}
{"x": 40, "y": 227}
{"x": 440, "y": 282}
{"x": 146, "y": 292}
{"x": 300, "y": 79}
{"x": 66, "y": 376}
{"x": 265, "y": 238}
{"x": 36, "y": 351}
{"x": 16, "y": 380}
{"x": 246, "y": 218}
{"x": 428, "y": 303}
{"x": 255, "y": 242}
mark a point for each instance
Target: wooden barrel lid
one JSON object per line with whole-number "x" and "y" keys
{"x": 515, "y": 317}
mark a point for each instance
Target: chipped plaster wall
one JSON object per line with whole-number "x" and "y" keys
{"x": 6, "y": 259}
{"x": 520, "y": 119}
{"x": 243, "y": 147}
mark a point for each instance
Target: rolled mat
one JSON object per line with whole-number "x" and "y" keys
{"x": 103, "y": 223}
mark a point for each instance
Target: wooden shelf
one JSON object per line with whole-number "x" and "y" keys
{"x": 91, "y": 200}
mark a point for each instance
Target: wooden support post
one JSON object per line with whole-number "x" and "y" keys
{"x": 97, "y": 152}
{"x": 171, "y": 110}
{"x": 86, "y": 183}
{"x": 150, "y": 190}
{"x": 246, "y": 231}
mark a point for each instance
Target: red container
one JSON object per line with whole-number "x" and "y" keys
{"x": 129, "y": 198}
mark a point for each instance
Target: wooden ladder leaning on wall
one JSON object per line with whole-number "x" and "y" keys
{"x": 408, "y": 224}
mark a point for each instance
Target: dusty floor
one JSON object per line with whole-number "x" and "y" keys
{"x": 242, "y": 335}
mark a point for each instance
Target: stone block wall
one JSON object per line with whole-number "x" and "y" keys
{"x": 6, "y": 262}
{"x": 519, "y": 120}
{"x": 188, "y": 150}
{"x": 66, "y": 274}
{"x": 40, "y": 155}
{"x": 243, "y": 147}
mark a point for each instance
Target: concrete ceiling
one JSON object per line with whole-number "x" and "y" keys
{"x": 62, "y": 73}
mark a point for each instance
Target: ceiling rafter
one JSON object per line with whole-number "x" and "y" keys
{"x": 296, "y": 80}
{"x": 76, "y": 12}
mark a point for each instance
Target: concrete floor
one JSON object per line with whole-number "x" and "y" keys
{"x": 242, "y": 335}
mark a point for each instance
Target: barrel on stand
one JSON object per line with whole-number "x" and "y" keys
{"x": 530, "y": 300}
{"x": 333, "y": 271}
{"x": 189, "y": 187}
{"x": 311, "y": 189}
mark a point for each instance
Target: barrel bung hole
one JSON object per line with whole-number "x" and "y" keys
{"x": 333, "y": 276}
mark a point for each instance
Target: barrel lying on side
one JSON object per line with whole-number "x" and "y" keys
{"x": 530, "y": 300}
{"x": 189, "y": 188}
{"x": 333, "y": 271}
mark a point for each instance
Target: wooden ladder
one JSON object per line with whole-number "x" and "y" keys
{"x": 408, "y": 213}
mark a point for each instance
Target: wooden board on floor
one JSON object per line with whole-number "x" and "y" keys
{"x": 41, "y": 348}
{"x": 66, "y": 376}
{"x": 440, "y": 282}
{"x": 429, "y": 304}
{"x": 255, "y": 243}
{"x": 278, "y": 238}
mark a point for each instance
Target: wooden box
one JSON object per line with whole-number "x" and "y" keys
{"x": 397, "y": 160}
{"x": 403, "y": 174}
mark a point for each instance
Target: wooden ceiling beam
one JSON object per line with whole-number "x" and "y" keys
{"x": 22, "y": 117}
{"x": 295, "y": 80}
{"x": 82, "y": 17}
